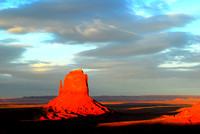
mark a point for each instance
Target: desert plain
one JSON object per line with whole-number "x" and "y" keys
{"x": 131, "y": 114}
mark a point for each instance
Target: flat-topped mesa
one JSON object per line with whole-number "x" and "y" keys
{"x": 75, "y": 83}
{"x": 73, "y": 99}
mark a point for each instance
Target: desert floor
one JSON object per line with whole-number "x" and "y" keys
{"x": 128, "y": 118}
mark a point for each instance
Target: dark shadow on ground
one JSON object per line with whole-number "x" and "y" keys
{"x": 20, "y": 120}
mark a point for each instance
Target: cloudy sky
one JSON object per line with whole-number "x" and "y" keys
{"x": 127, "y": 47}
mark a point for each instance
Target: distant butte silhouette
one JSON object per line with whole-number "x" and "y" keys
{"x": 73, "y": 99}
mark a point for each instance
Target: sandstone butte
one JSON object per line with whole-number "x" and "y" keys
{"x": 188, "y": 116}
{"x": 73, "y": 99}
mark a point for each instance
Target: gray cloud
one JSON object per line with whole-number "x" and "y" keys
{"x": 10, "y": 53}
{"x": 162, "y": 22}
{"x": 127, "y": 27}
{"x": 96, "y": 21}
{"x": 148, "y": 44}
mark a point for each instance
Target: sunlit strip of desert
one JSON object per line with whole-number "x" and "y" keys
{"x": 174, "y": 101}
{"x": 19, "y": 106}
{"x": 127, "y": 123}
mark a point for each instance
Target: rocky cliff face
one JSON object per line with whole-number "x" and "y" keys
{"x": 73, "y": 99}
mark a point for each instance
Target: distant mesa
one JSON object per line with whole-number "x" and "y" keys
{"x": 73, "y": 99}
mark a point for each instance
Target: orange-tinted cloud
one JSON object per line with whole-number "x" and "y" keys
{"x": 16, "y": 30}
{"x": 39, "y": 67}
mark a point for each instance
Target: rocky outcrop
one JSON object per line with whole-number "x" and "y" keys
{"x": 73, "y": 99}
{"x": 189, "y": 115}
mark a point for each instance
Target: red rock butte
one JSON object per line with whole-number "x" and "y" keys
{"x": 73, "y": 99}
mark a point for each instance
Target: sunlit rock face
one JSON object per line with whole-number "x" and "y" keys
{"x": 73, "y": 99}
{"x": 189, "y": 115}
